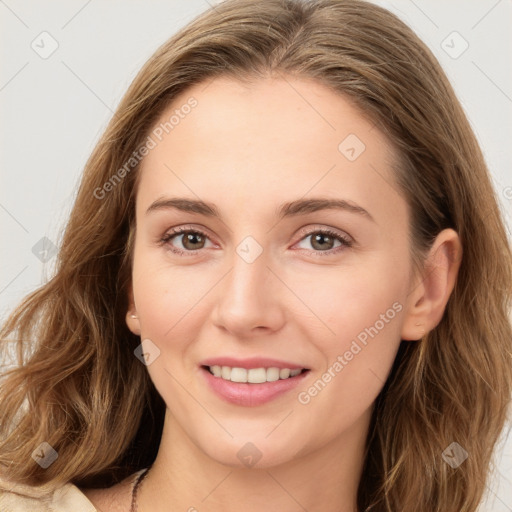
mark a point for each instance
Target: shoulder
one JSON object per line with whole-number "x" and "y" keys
{"x": 25, "y": 498}
{"x": 68, "y": 498}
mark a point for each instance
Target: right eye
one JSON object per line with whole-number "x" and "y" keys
{"x": 191, "y": 240}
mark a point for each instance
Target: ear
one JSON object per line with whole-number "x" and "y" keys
{"x": 132, "y": 318}
{"x": 430, "y": 292}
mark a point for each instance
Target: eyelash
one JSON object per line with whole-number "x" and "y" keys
{"x": 345, "y": 241}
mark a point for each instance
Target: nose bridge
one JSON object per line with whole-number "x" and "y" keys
{"x": 249, "y": 297}
{"x": 249, "y": 277}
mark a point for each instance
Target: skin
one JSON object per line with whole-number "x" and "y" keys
{"x": 248, "y": 148}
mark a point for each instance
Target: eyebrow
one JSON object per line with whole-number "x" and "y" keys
{"x": 289, "y": 209}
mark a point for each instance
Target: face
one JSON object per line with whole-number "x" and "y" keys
{"x": 267, "y": 278}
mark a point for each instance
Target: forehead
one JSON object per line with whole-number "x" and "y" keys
{"x": 301, "y": 114}
{"x": 277, "y": 136}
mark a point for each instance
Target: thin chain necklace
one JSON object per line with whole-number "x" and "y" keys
{"x": 136, "y": 487}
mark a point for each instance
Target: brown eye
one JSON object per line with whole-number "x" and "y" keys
{"x": 192, "y": 240}
{"x": 325, "y": 242}
{"x": 182, "y": 241}
{"x": 322, "y": 241}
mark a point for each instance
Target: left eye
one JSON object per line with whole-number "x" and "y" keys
{"x": 324, "y": 241}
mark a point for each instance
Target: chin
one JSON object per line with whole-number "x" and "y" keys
{"x": 257, "y": 451}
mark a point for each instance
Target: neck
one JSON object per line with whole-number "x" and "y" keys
{"x": 185, "y": 478}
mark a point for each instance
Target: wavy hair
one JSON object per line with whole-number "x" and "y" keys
{"x": 77, "y": 384}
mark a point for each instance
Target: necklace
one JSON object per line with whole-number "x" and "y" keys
{"x": 136, "y": 489}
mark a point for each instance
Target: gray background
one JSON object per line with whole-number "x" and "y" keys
{"x": 54, "y": 108}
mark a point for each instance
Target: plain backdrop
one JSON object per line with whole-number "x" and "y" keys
{"x": 66, "y": 63}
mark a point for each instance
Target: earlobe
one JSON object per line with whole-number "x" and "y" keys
{"x": 132, "y": 318}
{"x": 132, "y": 321}
{"x": 431, "y": 291}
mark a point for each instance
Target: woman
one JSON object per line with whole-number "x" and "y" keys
{"x": 285, "y": 284}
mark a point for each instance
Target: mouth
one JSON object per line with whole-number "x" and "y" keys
{"x": 251, "y": 382}
{"x": 253, "y": 375}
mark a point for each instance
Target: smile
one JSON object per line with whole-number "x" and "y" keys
{"x": 253, "y": 375}
{"x": 251, "y": 382}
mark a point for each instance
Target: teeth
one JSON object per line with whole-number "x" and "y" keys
{"x": 254, "y": 375}
{"x": 237, "y": 374}
{"x": 272, "y": 374}
{"x": 216, "y": 370}
{"x": 257, "y": 375}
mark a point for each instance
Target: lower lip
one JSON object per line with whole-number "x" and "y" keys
{"x": 250, "y": 395}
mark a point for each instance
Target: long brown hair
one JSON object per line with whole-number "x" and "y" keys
{"x": 79, "y": 386}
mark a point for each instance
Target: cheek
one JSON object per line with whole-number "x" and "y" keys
{"x": 173, "y": 304}
{"x": 361, "y": 312}
{"x": 167, "y": 304}
{"x": 348, "y": 300}
{"x": 163, "y": 294}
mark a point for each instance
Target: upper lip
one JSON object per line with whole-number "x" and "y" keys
{"x": 251, "y": 362}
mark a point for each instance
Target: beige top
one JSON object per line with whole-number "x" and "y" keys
{"x": 68, "y": 498}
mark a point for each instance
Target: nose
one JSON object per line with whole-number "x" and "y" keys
{"x": 250, "y": 299}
